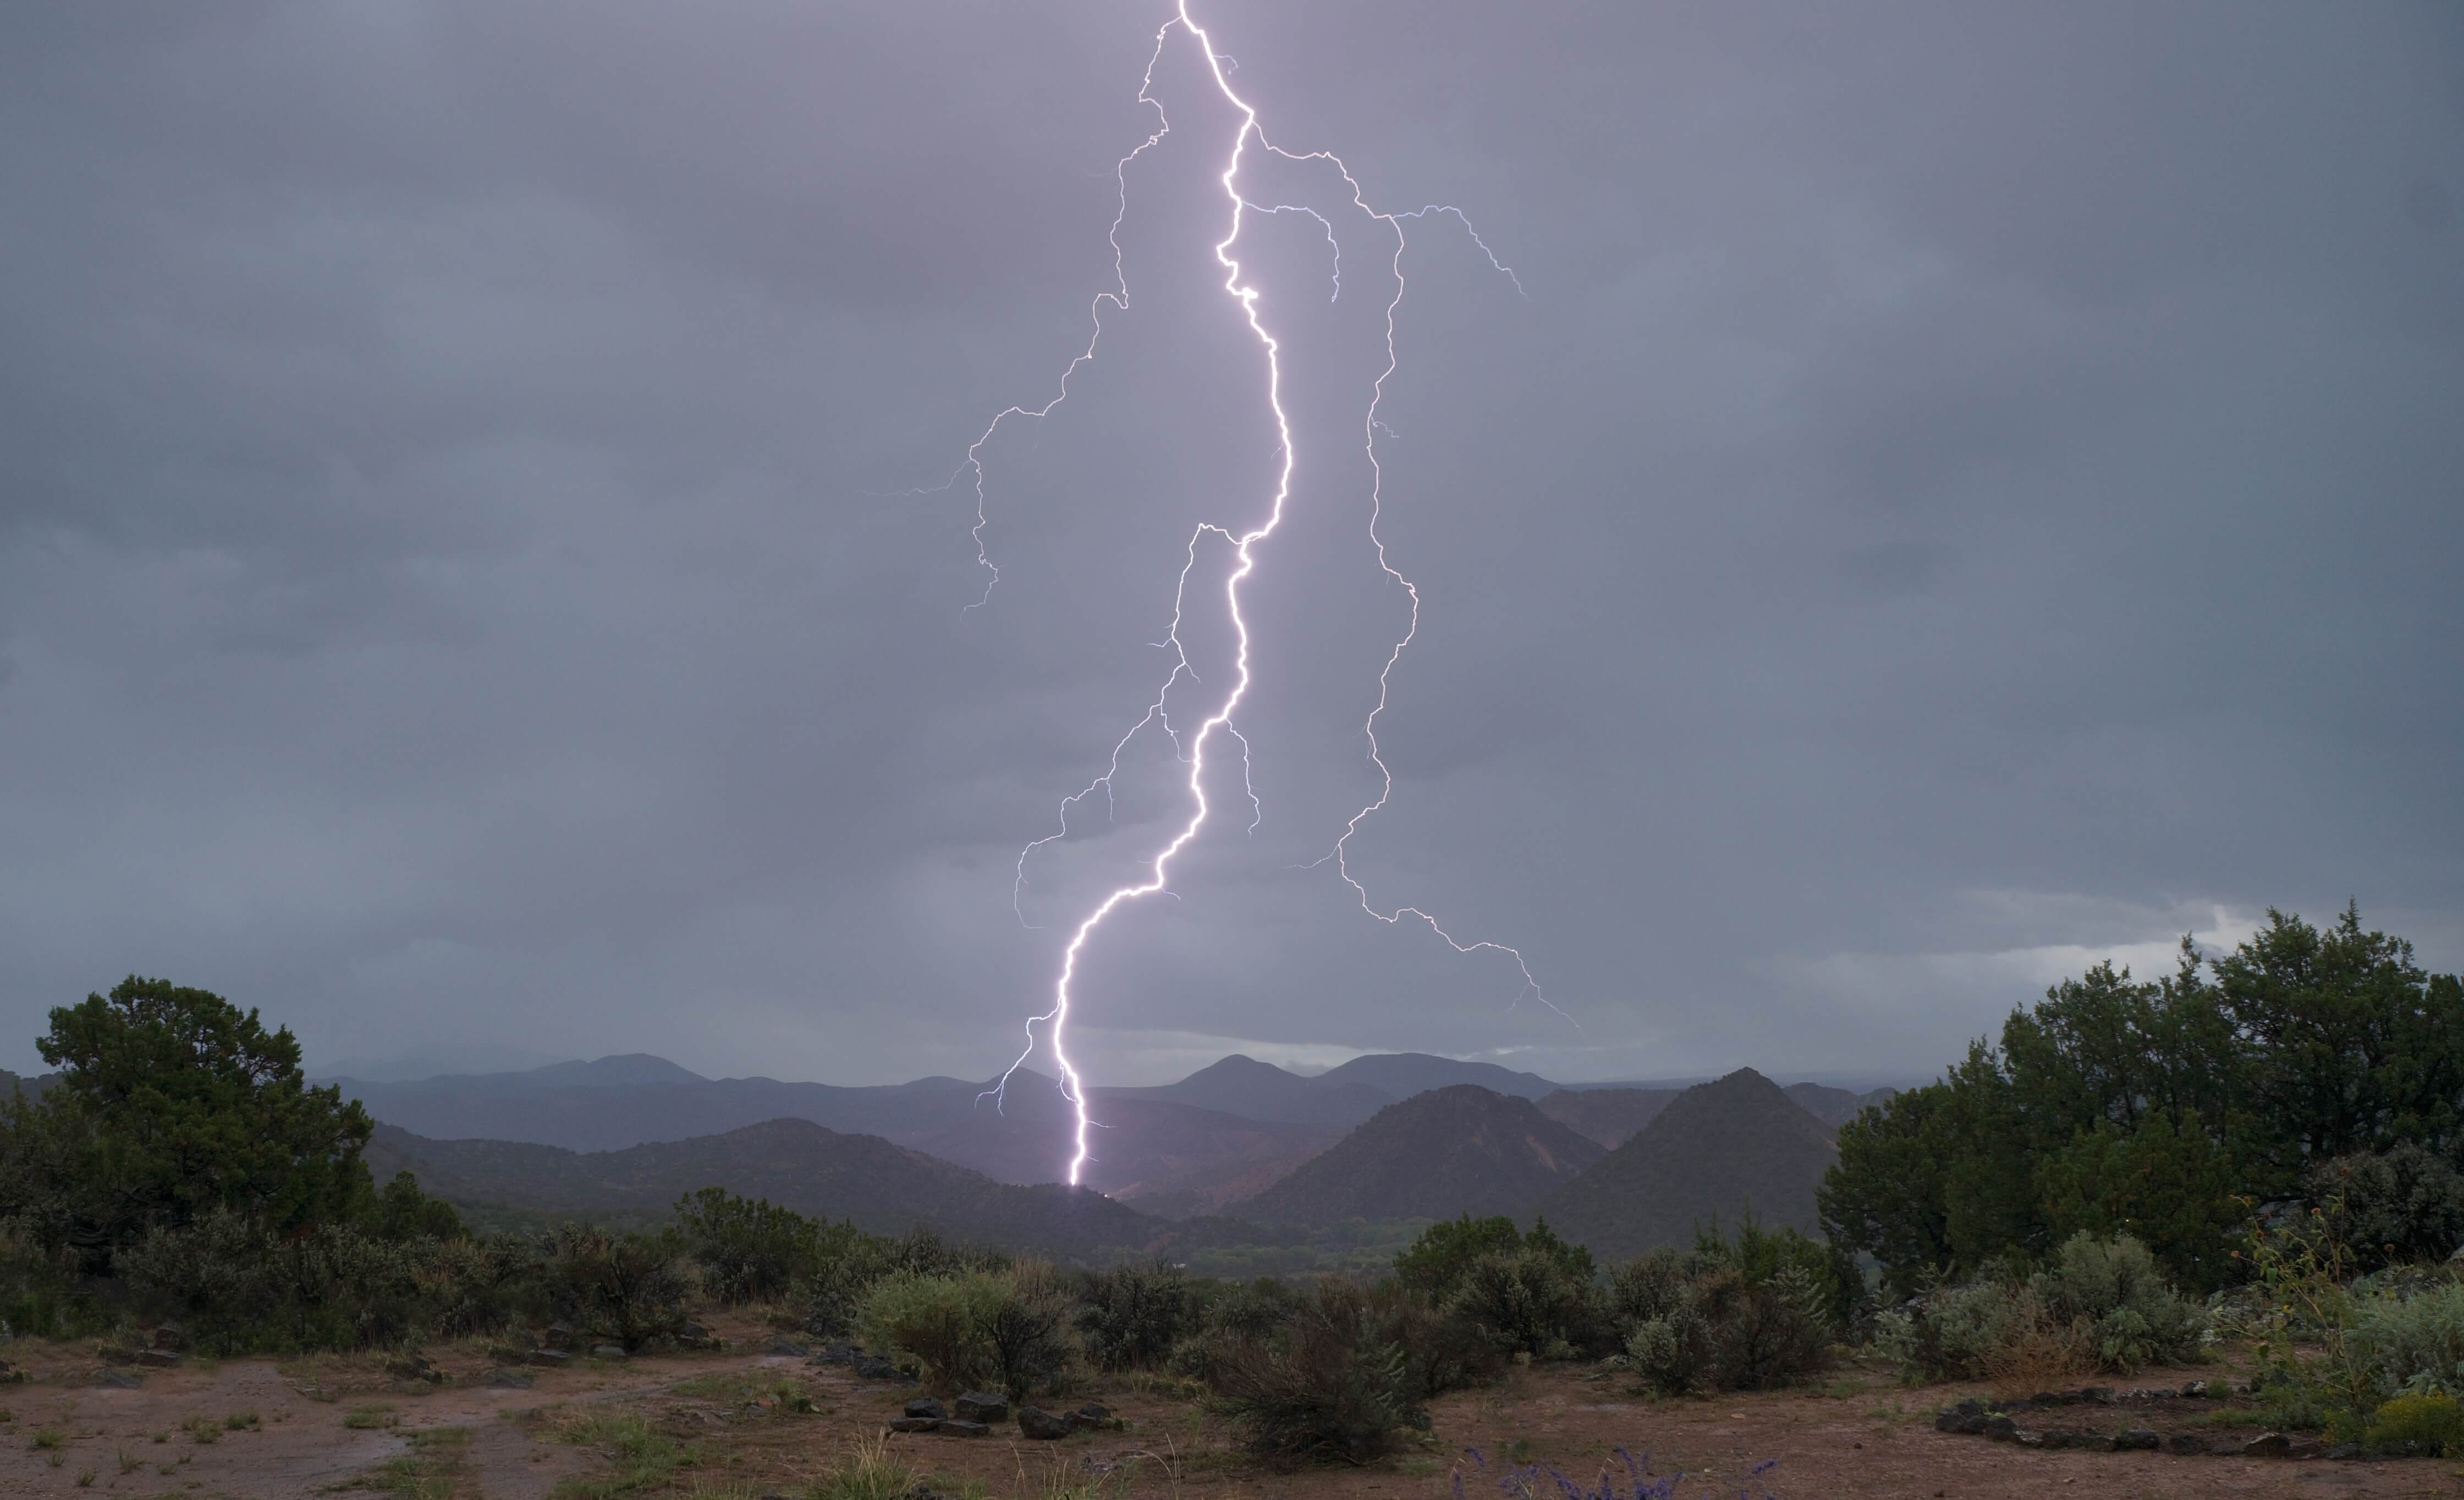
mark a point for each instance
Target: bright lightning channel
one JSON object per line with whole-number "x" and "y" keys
{"x": 1190, "y": 746}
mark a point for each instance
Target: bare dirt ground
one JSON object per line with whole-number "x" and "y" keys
{"x": 729, "y": 1426}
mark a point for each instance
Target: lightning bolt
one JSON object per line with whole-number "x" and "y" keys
{"x": 1191, "y": 745}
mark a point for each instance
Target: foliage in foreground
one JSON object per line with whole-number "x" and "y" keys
{"x": 1326, "y": 1384}
{"x": 2102, "y": 1305}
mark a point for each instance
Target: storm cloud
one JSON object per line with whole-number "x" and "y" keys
{"x": 1969, "y": 492}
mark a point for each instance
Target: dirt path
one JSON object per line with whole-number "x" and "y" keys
{"x": 267, "y": 1431}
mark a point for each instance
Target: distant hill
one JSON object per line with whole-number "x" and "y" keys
{"x": 793, "y": 1162}
{"x": 1608, "y": 1116}
{"x": 1139, "y": 1146}
{"x": 1254, "y": 1090}
{"x": 1715, "y": 1151}
{"x": 1400, "y": 1074}
{"x": 33, "y": 1086}
{"x": 1833, "y": 1107}
{"x": 1463, "y": 1149}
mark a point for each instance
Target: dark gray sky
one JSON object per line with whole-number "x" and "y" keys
{"x": 1971, "y": 490}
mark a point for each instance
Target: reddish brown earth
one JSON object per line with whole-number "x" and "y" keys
{"x": 1859, "y": 1435}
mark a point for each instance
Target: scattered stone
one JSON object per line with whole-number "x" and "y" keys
{"x": 414, "y": 1367}
{"x": 157, "y": 1359}
{"x": 11, "y": 1375}
{"x": 980, "y": 1407}
{"x": 914, "y": 1424}
{"x": 170, "y": 1336}
{"x": 1034, "y": 1422}
{"x": 787, "y": 1347}
{"x": 2268, "y": 1445}
{"x": 873, "y": 1367}
{"x": 552, "y": 1359}
{"x": 609, "y": 1352}
{"x": 929, "y": 1406}
{"x": 2185, "y": 1443}
{"x": 2029, "y": 1438}
{"x": 2343, "y": 1450}
{"x": 504, "y": 1379}
{"x": 2308, "y": 1447}
{"x": 120, "y": 1380}
{"x": 693, "y": 1335}
{"x": 1093, "y": 1416}
{"x": 838, "y": 1354}
{"x": 2137, "y": 1440}
{"x": 2001, "y": 1430}
{"x": 560, "y": 1336}
{"x": 955, "y": 1427}
{"x": 2102, "y": 1395}
{"x": 2194, "y": 1389}
{"x": 113, "y": 1354}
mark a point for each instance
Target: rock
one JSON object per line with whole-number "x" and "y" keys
{"x": 2268, "y": 1445}
{"x": 838, "y": 1354}
{"x": 2311, "y": 1448}
{"x": 1093, "y": 1416}
{"x": 2001, "y": 1430}
{"x": 552, "y": 1359}
{"x": 873, "y": 1367}
{"x": 2343, "y": 1450}
{"x": 558, "y": 1336}
{"x": 414, "y": 1367}
{"x": 609, "y": 1352}
{"x": 912, "y": 1423}
{"x": 11, "y": 1375}
{"x": 120, "y": 1380}
{"x": 693, "y": 1331}
{"x": 157, "y": 1359}
{"x": 504, "y": 1379}
{"x": 927, "y": 1406}
{"x": 2194, "y": 1389}
{"x": 2185, "y": 1443}
{"x": 2138, "y": 1439}
{"x": 786, "y": 1347}
{"x": 980, "y": 1407}
{"x": 170, "y": 1336}
{"x": 113, "y": 1354}
{"x": 1034, "y": 1422}
{"x": 2027, "y": 1438}
{"x": 2102, "y": 1395}
{"x": 956, "y": 1428}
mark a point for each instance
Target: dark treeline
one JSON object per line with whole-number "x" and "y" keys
{"x": 2308, "y": 1068}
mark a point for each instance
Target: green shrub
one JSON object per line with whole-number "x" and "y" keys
{"x": 748, "y": 1250}
{"x": 1948, "y": 1333}
{"x": 1024, "y": 1324}
{"x": 2389, "y": 1207}
{"x": 1436, "y": 1263}
{"x": 627, "y": 1288}
{"x": 1324, "y": 1385}
{"x": 2411, "y": 1345}
{"x": 1764, "y": 1334}
{"x": 403, "y": 1212}
{"x": 1672, "y": 1349}
{"x": 2427, "y": 1424}
{"x": 1442, "y": 1353}
{"x": 933, "y": 1318}
{"x": 1529, "y": 1301}
{"x": 1228, "y": 1314}
{"x": 1647, "y": 1288}
{"x": 850, "y": 1262}
{"x": 2115, "y": 1287}
{"x": 1133, "y": 1315}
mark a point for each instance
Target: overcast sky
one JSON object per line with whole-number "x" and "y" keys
{"x": 1969, "y": 490}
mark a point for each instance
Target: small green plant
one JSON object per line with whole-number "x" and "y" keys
{"x": 85, "y": 1479}
{"x": 367, "y": 1418}
{"x": 867, "y": 1472}
{"x": 241, "y": 1421}
{"x": 164, "y": 1436}
{"x": 2427, "y": 1424}
{"x": 204, "y": 1430}
{"x": 129, "y": 1463}
{"x": 644, "y": 1457}
{"x": 46, "y": 1438}
{"x": 429, "y": 1471}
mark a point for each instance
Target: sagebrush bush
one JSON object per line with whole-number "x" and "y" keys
{"x": 1745, "y": 1316}
{"x": 1133, "y": 1315}
{"x": 1323, "y": 1386}
{"x": 1440, "y": 1352}
{"x": 2103, "y": 1301}
{"x": 1765, "y": 1334}
{"x": 1228, "y": 1314}
{"x": 748, "y": 1250}
{"x": 629, "y": 1289}
{"x": 2411, "y": 1345}
{"x": 2136, "y": 1319}
{"x": 850, "y": 1262}
{"x": 1528, "y": 1301}
{"x": 1008, "y": 1327}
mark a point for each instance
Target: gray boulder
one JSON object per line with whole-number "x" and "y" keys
{"x": 981, "y": 1406}
{"x": 1034, "y": 1422}
{"x": 928, "y": 1407}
